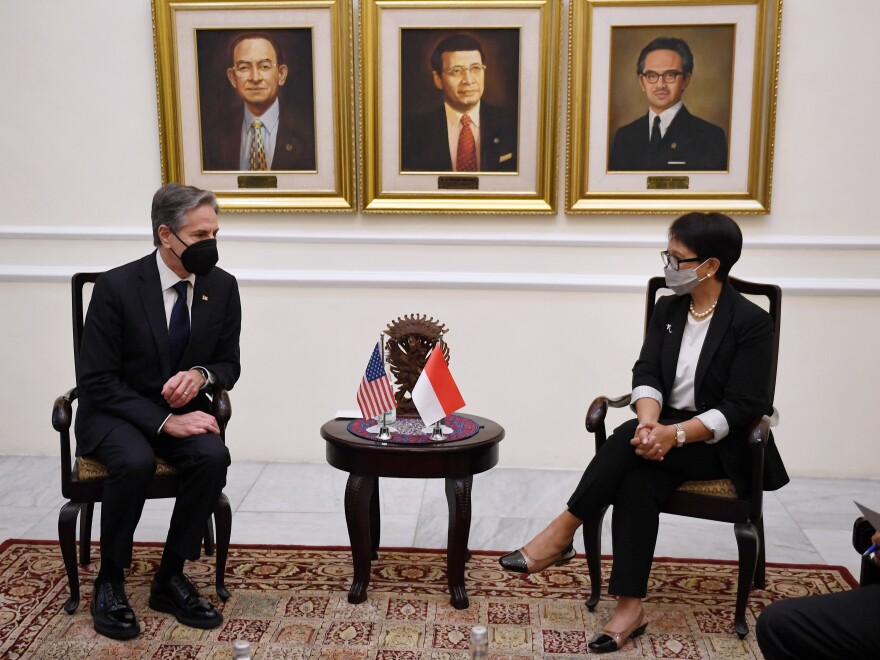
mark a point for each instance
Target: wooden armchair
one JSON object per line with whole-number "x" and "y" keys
{"x": 82, "y": 479}
{"x": 710, "y": 500}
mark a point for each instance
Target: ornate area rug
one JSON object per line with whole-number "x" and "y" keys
{"x": 291, "y": 603}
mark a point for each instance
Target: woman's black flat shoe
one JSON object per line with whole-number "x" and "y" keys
{"x": 606, "y": 641}
{"x": 519, "y": 561}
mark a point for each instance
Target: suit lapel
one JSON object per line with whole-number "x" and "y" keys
{"x": 200, "y": 313}
{"x": 154, "y": 308}
{"x": 721, "y": 319}
{"x": 675, "y": 322}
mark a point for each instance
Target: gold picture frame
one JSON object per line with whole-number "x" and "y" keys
{"x": 403, "y": 100}
{"x": 726, "y": 163}
{"x": 306, "y": 97}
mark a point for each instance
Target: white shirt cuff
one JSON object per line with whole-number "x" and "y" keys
{"x": 716, "y": 422}
{"x": 645, "y": 392}
{"x": 209, "y": 377}
{"x": 162, "y": 425}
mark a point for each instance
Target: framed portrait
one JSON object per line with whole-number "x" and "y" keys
{"x": 459, "y": 105}
{"x": 256, "y": 101}
{"x": 671, "y": 105}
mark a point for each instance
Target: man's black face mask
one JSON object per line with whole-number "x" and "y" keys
{"x": 200, "y": 257}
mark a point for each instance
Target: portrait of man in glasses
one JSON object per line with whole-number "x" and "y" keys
{"x": 460, "y": 131}
{"x": 668, "y": 137}
{"x": 249, "y": 123}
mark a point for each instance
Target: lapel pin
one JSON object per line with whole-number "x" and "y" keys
{"x": 288, "y": 147}
{"x": 673, "y": 145}
{"x": 204, "y": 297}
{"x": 669, "y": 328}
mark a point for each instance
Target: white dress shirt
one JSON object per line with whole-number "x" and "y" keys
{"x": 453, "y": 130}
{"x": 270, "y": 120}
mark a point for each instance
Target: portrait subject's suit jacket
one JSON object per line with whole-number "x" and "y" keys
{"x": 124, "y": 359}
{"x": 425, "y": 142}
{"x": 690, "y": 143}
{"x": 294, "y": 146}
{"x": 732, "y": 374}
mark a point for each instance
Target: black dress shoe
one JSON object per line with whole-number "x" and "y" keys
{"x": 606, "y": 641}
{"x": 179, "y": 596}
{"x": 111, "y": 613}
{"x": 519, "y": 561}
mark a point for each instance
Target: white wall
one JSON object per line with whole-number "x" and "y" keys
{"x": 545, "y": 312}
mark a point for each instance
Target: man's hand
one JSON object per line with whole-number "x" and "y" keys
{"x": 194, "y": 423}
{"x": 876, "y": 540}
{"x": 182, "y": 387}
{"x": 653, "y": 440}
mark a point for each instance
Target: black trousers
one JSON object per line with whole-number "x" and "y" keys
{"x": 637, "y": 488}
{"x": 130, "y": 459}
{"x": 842, "y": 625}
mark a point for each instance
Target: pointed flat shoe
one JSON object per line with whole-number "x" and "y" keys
{"x": 607, "y": 641}
{"x": 519, "y": 561}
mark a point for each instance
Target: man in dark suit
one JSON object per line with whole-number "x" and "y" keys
{"x": 263, "y": 133}
{"x": 464, "y": 134}
{"x": 668, "y": 137}
{"x": 141, "y": 377}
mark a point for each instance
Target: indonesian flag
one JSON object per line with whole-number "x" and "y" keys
{"x": 436, "y": 394}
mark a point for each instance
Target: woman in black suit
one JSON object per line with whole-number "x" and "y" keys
{"x": 700, "y": 381}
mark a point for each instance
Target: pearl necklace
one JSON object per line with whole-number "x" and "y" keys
{"x": 702, "y": 315}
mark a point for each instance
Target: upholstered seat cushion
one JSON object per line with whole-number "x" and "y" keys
{"x": 89, "y": 469}
{"x": 718, "y": 488}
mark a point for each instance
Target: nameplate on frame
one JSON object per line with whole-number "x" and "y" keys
{"x": 458, "y": 183}
{"x": 252, "y": 181}
{"x": 668, "y": 182}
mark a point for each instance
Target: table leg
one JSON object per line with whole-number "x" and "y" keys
{"x": 375, "y": 523}
{"x": 458, "y": 498}
{"x": 358, "y": 495}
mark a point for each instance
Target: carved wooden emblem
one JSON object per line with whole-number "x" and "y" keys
{"x": 411, "y": 338}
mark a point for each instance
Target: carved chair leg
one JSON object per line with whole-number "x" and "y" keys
{"x": 85, "y": 533}
{"x": 67, "y": 541}
{"x": 209, "y": 537}
{"x": 593, "y": 548}
{"x": 760, "y": 567}
{"x": 747, "y": 542}
{"x": 223, "y": 521}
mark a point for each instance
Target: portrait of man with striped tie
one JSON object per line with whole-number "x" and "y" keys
{"x": 669, "y": 136}
{"x": 460, "y": 131}
{"x": 260, "y": 128}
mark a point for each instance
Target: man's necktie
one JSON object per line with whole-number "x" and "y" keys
{"x": 655, "y": 133}
{"x": 258, "y": 150}
{"x": 466, "y": 158}
{"x": 178, "y": 326}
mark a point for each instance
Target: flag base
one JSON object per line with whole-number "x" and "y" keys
{"x": 437, "y": 431}
{"x": 382, "y": 432}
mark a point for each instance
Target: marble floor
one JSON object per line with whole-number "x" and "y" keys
{"x": 808, "y": 521}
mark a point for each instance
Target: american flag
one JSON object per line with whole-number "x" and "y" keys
{"x": 375, "y": 395}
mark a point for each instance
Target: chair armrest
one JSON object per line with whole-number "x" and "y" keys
{"x": 62, "y": 417}
{"x": 62, "y": 412}
{"x": 595, "y": 420}
{"x": 862, "y": 533}
{"x": 759, "y": 436}
{"x": 221, "y": 407}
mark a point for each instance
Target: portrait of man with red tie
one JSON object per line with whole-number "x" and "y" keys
{"x": 260, "y": 116}
{"x": 460, "y": 131}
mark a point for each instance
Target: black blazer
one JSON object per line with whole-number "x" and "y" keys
{"x": 124, "y": 359}
{"x": 425, "y": 142}
{"x": 690, "y": 143}
{"x": 732, "y": 374}
{"x": 294, "y": 146}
